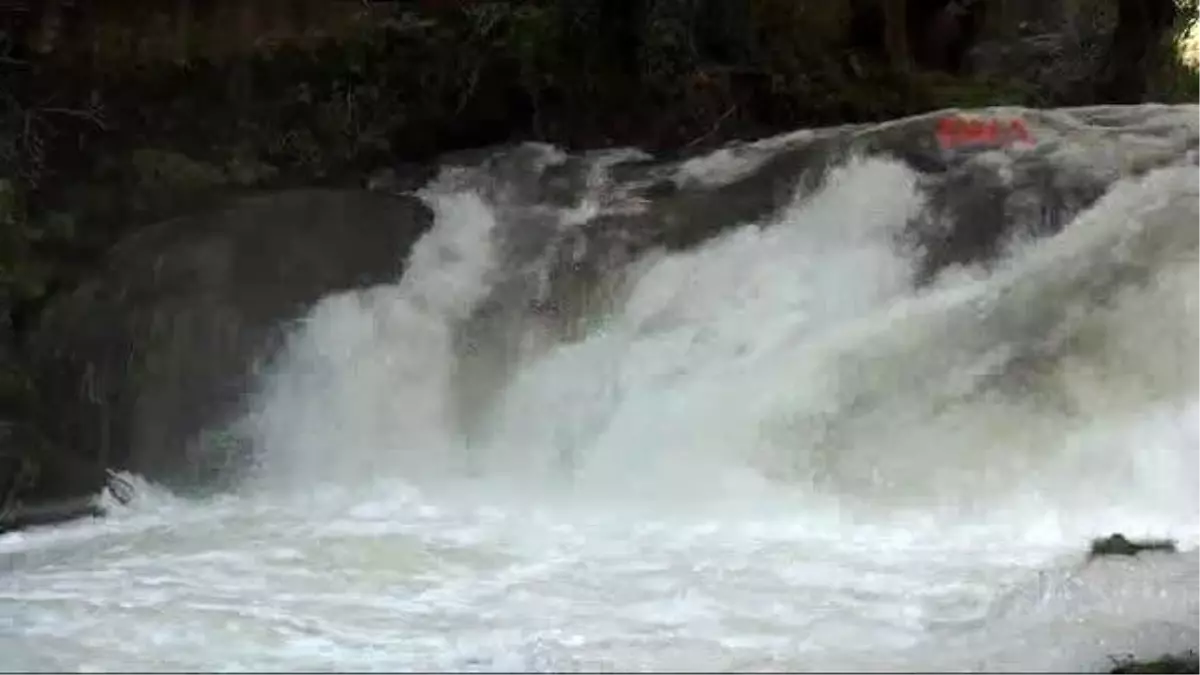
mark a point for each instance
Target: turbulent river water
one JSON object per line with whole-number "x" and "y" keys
{"x": 779, "y": 449}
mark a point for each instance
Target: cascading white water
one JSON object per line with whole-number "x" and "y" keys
{"x": 773, "y": 452}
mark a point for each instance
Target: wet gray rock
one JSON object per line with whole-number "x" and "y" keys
{"x": 140, "y": 362}
{"x": 979, "y": 198}
{"x": 1118, "y": 544}
{"x": 163, "y": 342}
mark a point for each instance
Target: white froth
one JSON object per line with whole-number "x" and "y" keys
{"x": 776, "y": 453}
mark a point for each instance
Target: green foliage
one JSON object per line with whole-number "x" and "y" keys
{"x": 976, "y": 93}
{"x": 1177, "y": 80}
{"x": 167, "y": 170}
{"x": 22, "y": 275}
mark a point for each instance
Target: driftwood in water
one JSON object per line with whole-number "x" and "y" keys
{"x": 1117, "y": 544}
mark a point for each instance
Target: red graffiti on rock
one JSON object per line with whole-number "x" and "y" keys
{"x": 955, "y": 132}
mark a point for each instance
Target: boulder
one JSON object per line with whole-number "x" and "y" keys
{"x": 1118, "y": 545}
{"x": 162, "y": 343}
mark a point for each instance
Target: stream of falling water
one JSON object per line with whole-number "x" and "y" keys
{"x": 774, "y": 453}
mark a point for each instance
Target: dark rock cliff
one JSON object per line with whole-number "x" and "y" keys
{"x": 163, "y": 341}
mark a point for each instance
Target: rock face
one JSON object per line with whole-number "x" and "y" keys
{"x": 140, "y": 366}
{"x": 162, "y": 342}
{"x": 980, "y": 196}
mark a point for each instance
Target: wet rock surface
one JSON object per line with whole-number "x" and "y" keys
{"x": 163, "y": 342}
{"x": 980, "y": 196}
{"x": 1118, "y": 544}
{"x": 139, "y": 362}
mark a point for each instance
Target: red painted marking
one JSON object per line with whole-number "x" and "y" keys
{"x": 957, "y": 131}
{"x": 1022, "y": 132}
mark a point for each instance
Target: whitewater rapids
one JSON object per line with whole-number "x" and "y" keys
{"x": 777, "y": 450}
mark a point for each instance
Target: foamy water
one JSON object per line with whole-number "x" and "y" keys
{"x": 775, "y": 453}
